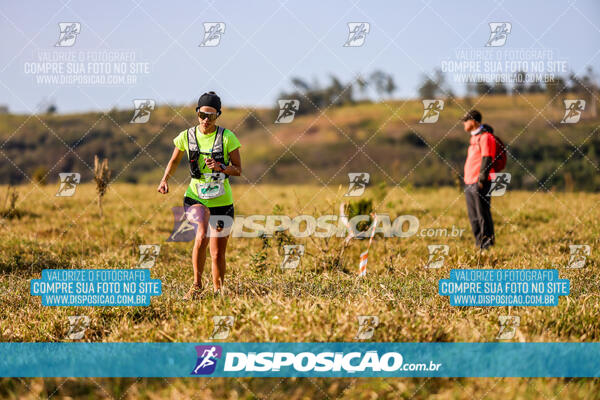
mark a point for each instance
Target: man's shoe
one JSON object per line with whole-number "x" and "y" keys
{"x": 487, "y": 243}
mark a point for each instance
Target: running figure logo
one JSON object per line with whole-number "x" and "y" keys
{"x": 500, "y": 181}
{"x": 498, "y": 34}
{"x": 431, "y": 111}
{"x": 148, "y": 255}
{"x": 78, "y": 324}
{"x": 292, "y": 254}
{"x": 579, "y": 255}
{"x": 223, "y": 325}
{"x": 358, "y": 183}
{"x": 213, "y": 185}
{"x": 287, "y": 111}
{"x": 184, "y": 227}
{"x": 68, "y": 33}
{"x": 142, "y": 110}
{"x": 212, "y": 34}
{"x": 437, "y": 255}
{"x": 68, "y": 183}
{"x": 573, "y": 110}
{"x": 211, "y": 189}
{"x": 358, "y": 34}
{"x": 366, "y": 326}
{"x": 207, "y": 359}
{"x": 508, "y": 326}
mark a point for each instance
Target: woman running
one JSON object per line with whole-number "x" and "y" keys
{"x": 214, "y": 155}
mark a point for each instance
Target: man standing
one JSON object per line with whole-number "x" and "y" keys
{"x": 478, "y": 167}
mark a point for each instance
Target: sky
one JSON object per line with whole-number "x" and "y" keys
{"x": 264, "y": 45}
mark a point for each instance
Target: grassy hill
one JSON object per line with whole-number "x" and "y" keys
{"x": 385, "y": 139}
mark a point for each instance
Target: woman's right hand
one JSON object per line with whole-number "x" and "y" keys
{"x": 163, "y": 187}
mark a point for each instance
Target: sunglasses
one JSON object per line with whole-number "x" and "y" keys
{"x": 210, "y": 116}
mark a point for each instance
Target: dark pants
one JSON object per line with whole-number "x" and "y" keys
{"x": 480, "y": 215}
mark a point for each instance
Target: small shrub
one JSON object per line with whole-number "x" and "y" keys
{"x": 360, "y": 207}
{"x": 11, "y": 211}
{"x": 39, "y": 174}
{"x": 258, "y": 261}
{"x": 102, "y": 177}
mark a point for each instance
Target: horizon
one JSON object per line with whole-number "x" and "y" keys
{"x": 357, "y": 103}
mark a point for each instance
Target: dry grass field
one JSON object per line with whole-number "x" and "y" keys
{"x": 319, "y": 301}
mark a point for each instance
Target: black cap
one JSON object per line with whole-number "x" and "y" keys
{"x": 472, "y": 114}
{"x": 210, "y": 99}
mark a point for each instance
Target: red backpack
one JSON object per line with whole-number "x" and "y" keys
{"x": 499, "y": 161}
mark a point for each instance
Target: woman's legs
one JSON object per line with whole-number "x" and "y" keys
{"x": 218, "y": 246}
{"x": 199, "y": 214}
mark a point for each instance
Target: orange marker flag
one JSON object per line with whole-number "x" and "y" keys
{"x": 364, "y": 256}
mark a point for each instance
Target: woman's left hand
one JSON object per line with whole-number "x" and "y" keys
{"x": 212, "y": 164}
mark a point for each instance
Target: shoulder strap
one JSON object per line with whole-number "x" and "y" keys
{"x": 217, "y": 152}
{"x": 193, "y": 153}
{"x": 218, "y": 143}
{"x": 192, "y": 143}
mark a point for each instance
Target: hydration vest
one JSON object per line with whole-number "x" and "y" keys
{"x": 194, "y": 152}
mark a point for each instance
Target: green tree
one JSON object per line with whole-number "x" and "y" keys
{"x": 520, "y": 85}
{"x": 382, "y": 82}
{"x": 433, "y": 86}
{"x": 483, "y": 88}
{"x": 499, "y": 88}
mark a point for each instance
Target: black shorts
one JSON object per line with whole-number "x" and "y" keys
{"x": 215, "y": 212}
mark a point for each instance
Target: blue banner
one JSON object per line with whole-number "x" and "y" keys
{"x": 300, "y": 359}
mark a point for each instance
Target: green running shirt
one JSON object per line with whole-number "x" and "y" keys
{"x": 205, "y": 144}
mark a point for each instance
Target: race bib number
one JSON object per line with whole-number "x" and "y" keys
{"x": 212, "y": 187}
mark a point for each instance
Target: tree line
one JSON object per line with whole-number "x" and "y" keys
{"x": 379, "y": 84}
